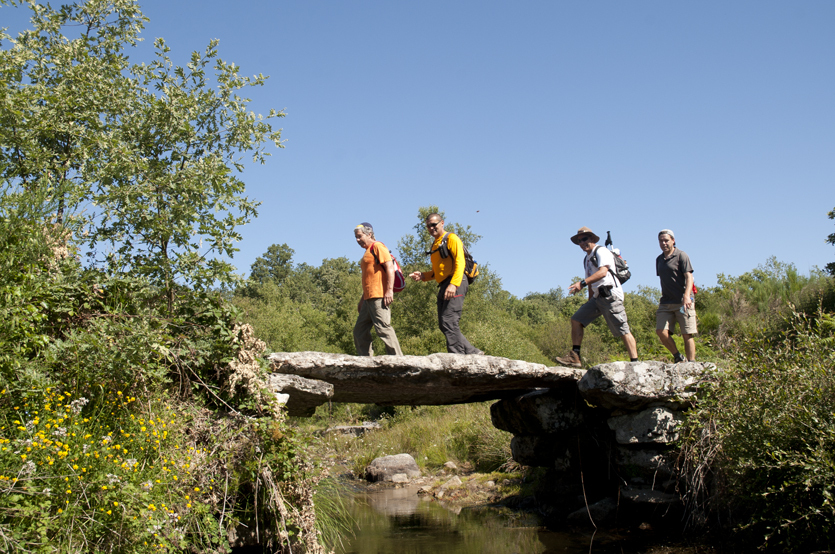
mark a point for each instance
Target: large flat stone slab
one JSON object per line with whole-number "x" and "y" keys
{"x": 636, "y": 385}
{"x": 421, "y": 380}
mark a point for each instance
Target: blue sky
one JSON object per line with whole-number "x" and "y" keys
{"x": 528, "y": 120}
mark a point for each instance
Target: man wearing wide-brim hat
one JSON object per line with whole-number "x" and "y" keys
{"x": 605, "y": 298}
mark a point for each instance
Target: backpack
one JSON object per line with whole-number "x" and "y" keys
{"x": 470, "y": 265}
{"x": 399, "y": 280}
{"x": 621, "y": 270}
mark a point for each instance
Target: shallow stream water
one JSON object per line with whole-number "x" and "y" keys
{"x": 399, "y": 521}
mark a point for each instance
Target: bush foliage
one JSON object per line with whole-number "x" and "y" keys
{"x": 133, "y": 409}
{"x": 128, "y": 428}
{"x": 767, "y": 432}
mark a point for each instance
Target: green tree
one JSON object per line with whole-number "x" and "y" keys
{"x": 60, "y": 97}
{"x": 142, "y": 157}
{"x": 275, "y": 265}
{"x": 83, "y": 134}
{"x": 170, "y": 199}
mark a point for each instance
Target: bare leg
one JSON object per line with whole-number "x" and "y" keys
{"x": 689, "y": 347}
{"x": 667, "y": 341}
{"x": 631, "y": 347}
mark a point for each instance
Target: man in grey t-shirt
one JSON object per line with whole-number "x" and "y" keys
{"x": 676, "y": 273}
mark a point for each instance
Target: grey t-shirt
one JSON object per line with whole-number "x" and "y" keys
{"x": 672, "y": 272}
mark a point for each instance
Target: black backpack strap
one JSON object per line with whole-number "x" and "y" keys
{"x": 442, "y": 247}
{"x": 596, "y": 257}
{"x": 597, "y": 265}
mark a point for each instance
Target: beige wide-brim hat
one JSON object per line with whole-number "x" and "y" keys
{"x": 584, "y": 231}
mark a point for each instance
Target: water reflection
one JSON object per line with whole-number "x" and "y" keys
{"x": 399, "y": 521}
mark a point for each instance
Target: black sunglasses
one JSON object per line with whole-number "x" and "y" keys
{"x": 585, "y": 239}
{"x": 432, "y": 225}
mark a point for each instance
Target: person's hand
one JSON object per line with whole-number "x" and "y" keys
{"x": 450, "y": 291}
{"x": 388, "y": 298}
{"x": 687, "y": 302}
{"x": 575, "y": 288}
{"x": 415, "y": 275}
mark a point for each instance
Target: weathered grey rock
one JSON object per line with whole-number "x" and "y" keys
{"x": 421, "y": 380}
{"x": 304, "y": 394}
{"x": 656, "y": 425}
{"x": 540, "y": 451}
{"x": 540, "y": 412}
{"x": 650, "y": 464}
{"x": 602, "y": 511}
{"x": 356, "y": 430}
{"x": 635, "y": 385}
{"x": 385, "y": 468}
{"x": 453, "y": 482}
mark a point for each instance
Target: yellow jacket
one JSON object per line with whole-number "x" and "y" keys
{"x": 453, "y": 265}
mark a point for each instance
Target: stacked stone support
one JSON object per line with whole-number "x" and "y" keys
{"x": 611, "y": 435}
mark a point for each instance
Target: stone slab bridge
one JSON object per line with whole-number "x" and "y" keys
{"x": 305, "y": 380}
{"x": 617, "y": 423}
{"x": 309, "y": 379}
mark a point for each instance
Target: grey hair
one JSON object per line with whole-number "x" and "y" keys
{"x": 666, "y": 232}
{"x": 366, "y": 229}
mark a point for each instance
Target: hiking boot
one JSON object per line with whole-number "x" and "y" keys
{"x": 572, "y": 359}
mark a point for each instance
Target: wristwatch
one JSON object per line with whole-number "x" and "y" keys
{"x": 583, "y": 284}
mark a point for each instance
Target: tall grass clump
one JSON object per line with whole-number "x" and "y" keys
{"x": 433, "y": 435}
{"x": 760, "y": 447}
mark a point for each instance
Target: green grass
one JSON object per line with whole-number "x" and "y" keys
{"x": 433, "y": 435}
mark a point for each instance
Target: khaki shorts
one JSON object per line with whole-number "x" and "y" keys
{"x": 610, "y": 308}
{"x": 668, "y": 314}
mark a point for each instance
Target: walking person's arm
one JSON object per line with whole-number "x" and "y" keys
{"x": 593, "y": 278}
{"x": 688, "y": 291}
{"x": 388, "y": 294}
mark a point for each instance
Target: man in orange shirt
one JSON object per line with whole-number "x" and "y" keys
{"x": 448, "y": 271}
{"x": 377, "y": 294}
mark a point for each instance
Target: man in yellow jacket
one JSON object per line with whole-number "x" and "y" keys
{"x": 448, "y": 271}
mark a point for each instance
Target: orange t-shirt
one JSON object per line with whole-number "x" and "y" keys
{"x": 374, "y": 274}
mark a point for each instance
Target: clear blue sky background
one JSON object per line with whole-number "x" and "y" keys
{"x": 527, "y": 120}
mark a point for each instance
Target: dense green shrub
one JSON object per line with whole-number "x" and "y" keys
{"x": 121, "y": 421}
{"x": 763, "y": 297}
{"x": 765, "y": 431}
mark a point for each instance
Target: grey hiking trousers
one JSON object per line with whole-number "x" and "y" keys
{"x": 449, "y": 314}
